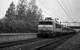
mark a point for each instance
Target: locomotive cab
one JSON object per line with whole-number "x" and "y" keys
{"x": 45, "y": 28}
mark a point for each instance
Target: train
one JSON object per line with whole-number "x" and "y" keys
{"x": 51, "y": 28}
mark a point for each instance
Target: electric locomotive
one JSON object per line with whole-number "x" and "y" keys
{"x": 50, "y": 28}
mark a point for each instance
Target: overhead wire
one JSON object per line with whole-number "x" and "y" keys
{"x": 70, "y": 10}
{"x": 63, "y": 8}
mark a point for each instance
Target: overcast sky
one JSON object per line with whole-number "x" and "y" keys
{"x": 51, "y": 8}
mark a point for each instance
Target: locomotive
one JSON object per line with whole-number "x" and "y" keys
{"x": 51, "y": 28}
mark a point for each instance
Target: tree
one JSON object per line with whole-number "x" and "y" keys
{"x": 28, "y": 15}
{"x": 11, "y": 11}
{"x": 25, "y": 21}
{"x": 21, "y": 8}
{"x": 34, "y": 14}
{"x": 9, "y": 16}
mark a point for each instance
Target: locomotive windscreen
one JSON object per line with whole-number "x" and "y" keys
{"x": 45, "y": 23}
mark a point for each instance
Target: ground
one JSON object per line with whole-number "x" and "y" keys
{"x": 71, "y": 44}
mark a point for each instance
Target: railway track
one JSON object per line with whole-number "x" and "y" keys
{"x": 53, "y": 44}
{"x": 37, "y": 44}
{"x": 28, "y": 45}
{"x": 15, "y": 43}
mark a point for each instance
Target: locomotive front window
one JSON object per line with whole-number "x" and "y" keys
{"x": 45, "y": 23}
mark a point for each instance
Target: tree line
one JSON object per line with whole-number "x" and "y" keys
{"x": 22, "y": 18}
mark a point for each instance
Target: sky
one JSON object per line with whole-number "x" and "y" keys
{"x": 51, "y": 8}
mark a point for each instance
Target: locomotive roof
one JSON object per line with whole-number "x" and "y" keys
{"x": 46, "y": 20}
{"x": 49, "y": 21}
